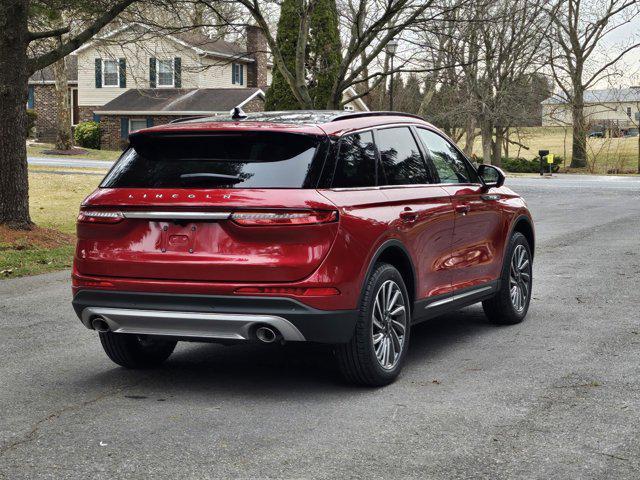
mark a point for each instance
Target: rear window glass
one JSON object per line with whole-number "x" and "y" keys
{"x": 234, "y": 160}
{"x": 356, "y": 162}
{"x": 401, "y": 159}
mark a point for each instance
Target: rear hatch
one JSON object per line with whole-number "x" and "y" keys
{"x": 223, "y": 207}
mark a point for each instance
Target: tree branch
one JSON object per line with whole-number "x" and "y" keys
{"x": 48, "y": 33}
{"x": 77, "y": 41}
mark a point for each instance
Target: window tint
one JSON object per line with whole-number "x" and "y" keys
{"x": 247, "y": 160}
{"x": 356, "y": 162}
{"x": 449, "y": 163}
{"x": 401, "y": 160}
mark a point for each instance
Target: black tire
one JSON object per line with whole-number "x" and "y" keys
{"x": 500, "y": 309}
{"x": 136, "y": 351}
{"x": 357, "y": 359}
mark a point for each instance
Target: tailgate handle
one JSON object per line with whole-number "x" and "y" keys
{"x": 152, "y": 215}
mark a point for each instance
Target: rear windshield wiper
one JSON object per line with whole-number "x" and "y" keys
{"x": 211, "y": 176}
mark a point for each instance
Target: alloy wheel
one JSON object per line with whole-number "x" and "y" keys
{"x": 520, "y": 278}
{"x": 389, "y": 324}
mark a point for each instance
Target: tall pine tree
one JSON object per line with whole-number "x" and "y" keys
{"x": 279, "y": 96}
{"x": 324, "y": 51}
{"x": 323, "y": 55}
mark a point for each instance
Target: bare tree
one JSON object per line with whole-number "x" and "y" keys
{"x": 578, "y": 62}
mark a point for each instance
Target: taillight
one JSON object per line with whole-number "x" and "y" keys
{"x": 78, "y": 282}
{"x": 296, "y": 291}
{"x": 307, "y": 217}
{"x": 100, "y": 216}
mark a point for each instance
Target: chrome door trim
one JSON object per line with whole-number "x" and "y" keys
{"x": 459, "y": 296}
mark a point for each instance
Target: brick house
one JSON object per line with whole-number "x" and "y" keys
{"x": 133, "y": 77}
{"x": 42, "y": 98}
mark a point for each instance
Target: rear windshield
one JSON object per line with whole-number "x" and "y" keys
{"x": 228, "y": 160}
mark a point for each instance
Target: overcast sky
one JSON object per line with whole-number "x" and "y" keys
{"x": 631, "y": 62}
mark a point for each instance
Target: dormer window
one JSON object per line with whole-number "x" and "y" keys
{"x": 165, "y": 73}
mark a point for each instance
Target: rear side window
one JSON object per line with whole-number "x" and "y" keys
{"x": 401, "y": 159}
{"x": 448, "y": 162}
{"x": 356, "y": 166}
{"x": 228, "y": 160}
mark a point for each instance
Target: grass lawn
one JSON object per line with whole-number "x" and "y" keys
{"x": 37, "y": 149}
{"x": 605, "y": 155}
{"x": 54, "y": 206}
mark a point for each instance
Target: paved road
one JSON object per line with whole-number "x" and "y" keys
{"x": 69, "y": 162}
{"x": 555, "y": 397}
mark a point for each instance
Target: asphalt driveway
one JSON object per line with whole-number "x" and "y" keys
{"x": 555, "y": 397}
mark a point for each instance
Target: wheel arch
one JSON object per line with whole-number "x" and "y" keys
{"x": 523, "y": 224}
{"x": 395, "y": 253}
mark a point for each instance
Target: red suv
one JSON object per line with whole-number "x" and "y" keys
{"x": 332, "y": 227}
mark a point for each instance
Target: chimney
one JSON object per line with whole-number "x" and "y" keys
{"x": 257, "y": 50}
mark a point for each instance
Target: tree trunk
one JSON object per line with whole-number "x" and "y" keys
{"x": 486, "y": 131}
{"x": 639, "y": 150}
{"x": 469, "y": 134}
{"x": 579, "y": 148}
{"x": 14, "y": 182}
{"x": 497, "y": 147}
{"x": 63, "y": 113}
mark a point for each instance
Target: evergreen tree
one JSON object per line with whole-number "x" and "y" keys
{"x": 279, "y": 96}
{"x": 324, "y": 51}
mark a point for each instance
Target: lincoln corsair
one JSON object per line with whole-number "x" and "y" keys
{"x": 334, "y": 227}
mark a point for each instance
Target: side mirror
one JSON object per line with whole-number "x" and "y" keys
{"x": 491, "y": 176}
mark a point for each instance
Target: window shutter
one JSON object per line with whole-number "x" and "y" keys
{"x": 233, "y": 73}
{"x": 177, "y": 72}
{"x": 31, "y": 97}
{"x": 123, "y": 72}
{"x": 96, "y": 117}
{"x": 152, "y": 72}
{"x": 241, "y": 67}
{"x": 98, "y": 73}
{"x": 149, "y": 122}
{"x": 124, "y": 128}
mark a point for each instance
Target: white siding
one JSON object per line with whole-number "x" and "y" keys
{"x": 560, "y": 114}
{"x": 197, "y": 71}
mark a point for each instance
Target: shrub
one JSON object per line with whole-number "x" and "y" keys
{"x": 31, "y": 120}
{"x": 522, "y": 165}
{"x": 87, "y": 135}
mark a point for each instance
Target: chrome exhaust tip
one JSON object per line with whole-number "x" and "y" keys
{"x": 266, "y": 334}
{"x": 99, "y": 324}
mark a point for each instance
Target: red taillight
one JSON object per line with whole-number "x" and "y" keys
{"x": 81, "y": 282}
{"x": 100, "y": 216}
{"x": 296, "y": 291}
{"x": 308, "y": 217}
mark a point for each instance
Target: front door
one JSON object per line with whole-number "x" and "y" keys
{"x": 476, "y": 251}
{"x": 420, "y": 211}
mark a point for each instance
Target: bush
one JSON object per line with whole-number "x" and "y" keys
{"x": 87, "y": 135}
{"x": 522, "y": 165}
{"x": 31, "y": 120}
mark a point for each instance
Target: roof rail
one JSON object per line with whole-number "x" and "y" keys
{"x": 187, "y": 119}
{"x": 349, "y": 115}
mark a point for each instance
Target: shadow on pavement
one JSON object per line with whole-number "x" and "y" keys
{"x": 292, "y": 370}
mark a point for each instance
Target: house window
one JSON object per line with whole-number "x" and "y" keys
{"x": 349, "y": 108}
{"x": 165, "y": 73}
{"x": 110, "y": 77}
{"x": 629, "y": 112}
{"x": 137, "y": 124}
{"x": 237, "y": 76}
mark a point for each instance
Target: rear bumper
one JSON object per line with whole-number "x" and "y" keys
{"x": 212, "y": 317}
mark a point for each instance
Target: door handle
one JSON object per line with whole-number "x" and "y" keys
{"x": 408, "y": 215}
{"x": 463, "y": 209}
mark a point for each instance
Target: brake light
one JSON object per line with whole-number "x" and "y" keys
{"x": 100, "y": 216}
{"x": 82, "y": 282}
{"x": 308, "y": 217}
{"x": 296, "y": 291}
